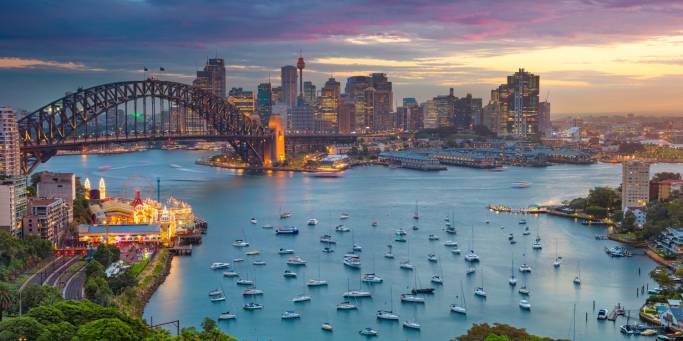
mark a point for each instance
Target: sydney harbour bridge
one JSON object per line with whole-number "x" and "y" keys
{"x": 146, "y": 110}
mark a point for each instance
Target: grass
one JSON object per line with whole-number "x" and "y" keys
{"x": 133, "y": 299}
{"x": 625, "y": 236}
{"x": 139, "y": 266}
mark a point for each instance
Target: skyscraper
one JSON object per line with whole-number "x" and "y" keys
{"x": 635, "y": 187}
{"x": 243, "y": 100}
{"x": 329, "y": 103}
{"x": 429, "y": 114}
{"x": 288, "y": 78}
{"x": 309, "y": 93}
{"x": 467, "y": 112}
{"x": 10, "y": 155}
{"x": 346, "y": 115}
{"x": 300, "y": 64}
{"x": 212, "y": 78}
{"x": 373, "y": 98}
{"x": 264, "y": 102}
{"x": 544, "y": 125}
{"x": 445, "y": 109}
{"x": 518, "y": 105}
{"x": 383, "y": 100}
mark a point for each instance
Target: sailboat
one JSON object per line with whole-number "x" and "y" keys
{"x": 355, "y": 247}
{"x": 317, "y": 282}
{"x": 450, "y": 228}
{"x": 480, "y": 290}
{"x": 355, "y": 293}
{"x": 471, "y": 256}
{"x": 302, "y": 297}
{"x": 536, "y": 245}
{"x": 436, "y": 278}
{"x": 388, "y": 314}
{"x": 558, "y": 259}
{"x": 577, "y": 279}
{"x": 525, "y": 267}
{"x": 416, "y": 215}
{"x": 412, "y": 324}
{"x": 523, "y": 290}
{"x": 460, "y": 307}
{"x": 417, "y": 289}
{"x": 389, "y": 254}
{"x": 513, "y": 280}
{"x": 371, "y": 277}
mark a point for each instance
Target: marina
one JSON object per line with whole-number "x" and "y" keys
{"x": 219, "y": 196}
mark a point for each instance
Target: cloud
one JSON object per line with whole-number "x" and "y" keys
{"x": 367, "y": 39}
{"x": 21, "y": 63}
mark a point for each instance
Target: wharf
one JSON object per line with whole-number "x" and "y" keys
{"x": 181, "y": 250}
{"x": 528, "y": 210}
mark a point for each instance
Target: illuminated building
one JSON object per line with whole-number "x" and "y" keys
{"x": 10, "y": 155}
{"x": 102, "y": 189}
{"x": 346, "y": 115}
{"x": 429, "y": 114}
{"x": 635, "y": 178}
{"x": 46, "y": 218}
{"x": 212, "y": 78}
{"x": 58, "y": 185}
{"x": 300, "y": 64}
{"x": 288, "y": 78}
{"x": 242, "y": 100}
{"x": 264, "y": 102}
{"x": 278, "y": 148}
{"x": 445, "y": 109}
{"x": 86, "y": 187}
{"x": 467, "y": 112}
{"x": 383, "y": 100}
{"x": 329, "y": 103}
{"x": 518, "y": 105}
{"x": 309, "y": 93}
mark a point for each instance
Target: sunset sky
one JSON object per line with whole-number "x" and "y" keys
{"x": 593, "y": 56}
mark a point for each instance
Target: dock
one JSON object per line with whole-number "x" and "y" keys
{"x": 617, "y": 311}
{"x": 181, "y": 250}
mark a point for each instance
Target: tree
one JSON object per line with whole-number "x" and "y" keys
{"x": 21, "y": 327}
{"x": 105, "y": 329}
{"x": 6, "y": 297}
{"x": 97, "y": 290}
{"x": 629, "y": 221}
{"x": 666, "y": 176}
{"x": 35, "y": 295}
{"x": 61, "y": 331}
{"x": 46, "y": 314}
{"x": 106, "y": 254}
{"x": 578, "y": 203}
{"x": 122, "y": 281}
{"x": 94, "y": 267}
{"x": 604, "y": 197}
{"x": 597, "y": 211}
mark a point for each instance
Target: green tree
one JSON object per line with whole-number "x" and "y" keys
{"x": 46, "y": 314}
{"x": 97, "y": 290}
{"x": 578, "y": 203}
{"x": 61, "y": 331}
{"x": 666, "y": 176}
{"x": 94, "y": 267}
{"x": 122, "y": 281}
{"x": 34, "y": 295}
{"x": 604, "y": 197}
{"x": 629, "y": 222}
{"x": 109, "y": 329}
{"x": 6, "y": 297}
{"x": 20, "y": 327}
{"x": 106, "y": 254}
{"x": 494, "y": 337}
{"x": 598, "y": 211}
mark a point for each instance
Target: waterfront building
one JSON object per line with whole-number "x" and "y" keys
{"x": 288, "y": 78}
{"x": 264, "y": 102}
{"x": 58, "y": 185}
{"x": 329, "y": 103}
{"x": 635, "y": 187}
{"x": 466, "y": 158}
{"x": 10, "y": 155}
{"x": 383, "y": 100}
{"x": 670, "y": 241}
{"x": 411, "y": 160}
{"x": 46, "y": 218}
{"x": 243, "y": 100}
{"x": 212, "y": 77}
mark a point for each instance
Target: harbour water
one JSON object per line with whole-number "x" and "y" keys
{"x": 228, "y": 200}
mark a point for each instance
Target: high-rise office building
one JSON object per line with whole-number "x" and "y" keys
{"x": 429, "y": 114}
{"x": 243, "y": 100}
{"x": 276, "y": 92}
{"x": 212, "y": 78}
{"x": 288, "y": 77}
{"x": 518, "y": 105}
{"x": 346, "y": 119}
{"x": 264, "y": 102}
{"x": 445, "y": 109}
{"x": 545, "y": 127}
{"x": 329, "y": 103}
{"x": 383, "y": 100}
{"x": 10, "y": 154}
{"x": 467, "y": 112}
{"x": 635, "y": 187}
{"x": 309, "y": 93}
{"x": 8, "y": 209}
{"x": 373, "y": 98}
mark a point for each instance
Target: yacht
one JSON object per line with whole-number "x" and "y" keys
{"x": 289, "y": 274}
{"x": 230, "y": 274}
{"x": 436, "y": 279}
{"x": 411, "y": 298}
{"x": 288, "y": 315}
{"x": 512, "y": 281}
{"x": 522, "y": 222}
{"x": 285, "y": 251}
{"x": 346, "y": 305}
{"x": 252, "y": 292}
{"x": 342, "y": 228}
{"x": 371, "y": 278}
{"x": 252, "y": 306}
{"x": 327, "y": 239}
{"x": 416, "y": 215}
{"x": 629, "y": 329}
{"x": 525, "y": 268}
{"x": 357, "y": 248}
{"x": 577, "y": 280}
{"x": 512, "y": 241}
{"x": 368, "y": 332}
{"x": 470, "y": 270}
{"x": 344, "y": 216}
{"x": 458, "y": 309}
{"x": 218, "y": 265}
{"x": 411, "y": 325}
{"x": 253, "y": 220}
{"x": 312, "y": 222}
{"x": 219, "y": 298}
{"x": 286, "y": 230}
{"x": 432, "y": 258}
{"x": 238, "y": 260}
{"x": 301, "y": 298}
{"x": 602, "y": 314}
{"x": 240, "y": 243}
{"x": 389, "y": 254}
{"x": 374, "y": 224}
{"x": 415, "y": 228}
{"x": 352, "y": 261}
{"x": 511, "y": 236}
{"x": 326, "y": 326}
{"x": 536, "y": 245}
{"x": 386, "y": 315}
{"x": 433, "y": 237}
{"x": 227, "y": 316}
{"x": 524, "y": 304}
{"x": 523, "y": 290}
{"x": 253, "y": 253}
{"x": 557, "y": 262}
{"x": 456, "y": 251}
{"x": 526, "y": 231}
{"x": 472, "y": 257}
{"x": 316, "y": 282}
{"x": 480, "y": 292}
{"x": 450, "y": 243}
{"x": 401, "y": 232}
{"x": 451, "y": 230}
{"x": 285, "y": 215}
{"x": 357, "y": 294}
{"x": 296, "y": 260}
{"x": 258, "y": 262}
{"x": 406, "y": 265}
{"x": 422, "y": 290}
{"x": 244, "y": 282}
{"x": 216, "y": 292}
{"x": 267, "y": 226}
{"x": 399, "y": 238}
{"x": 327, "y": 250}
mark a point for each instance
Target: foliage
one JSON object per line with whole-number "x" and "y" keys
{"x": 499, "y": 332}
{"x": 6, "y": 298}
{"x": 604, "y": 197}
{"x": 93, "y": 267}
{"x": 20, "y": 327}
{"x": 122, "y": 281}
{"x": 629, "y": 222}
{"x": 578, "y": 203}
{"x": 35, "y": 295}
{"x": 659, "y": 153}
{"x": 666, "y": 176}
{"x": 661, "y": 215}
{"x": 106, "y": 254}
{"x": 209, "y": 332}
{"x": 597, "y": 211}
{"x": 97, "y": 290}
{"x": 16, "y": 255}
{"x": 105, "y": 329}
{"x": 81, "y": 210}
{"x": 630, "y": 148}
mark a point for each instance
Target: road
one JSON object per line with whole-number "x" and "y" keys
{"x": 73, "y": 289}
{"x": 39, "y": 276}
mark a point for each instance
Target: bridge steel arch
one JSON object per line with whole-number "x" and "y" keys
{"x": 75, "y": 120}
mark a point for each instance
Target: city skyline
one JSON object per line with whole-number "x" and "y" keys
{"x": 591, "y": 58}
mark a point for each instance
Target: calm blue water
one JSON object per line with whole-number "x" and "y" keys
{"x": 227, "y": 200}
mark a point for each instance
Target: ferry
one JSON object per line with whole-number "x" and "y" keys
{"x": 252, "y": 306}
{"x": 218, "y": 265}
{"x": 286, "y": 230}
{"x": 521, "y": 184}
{"x": 327, "y": 174}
